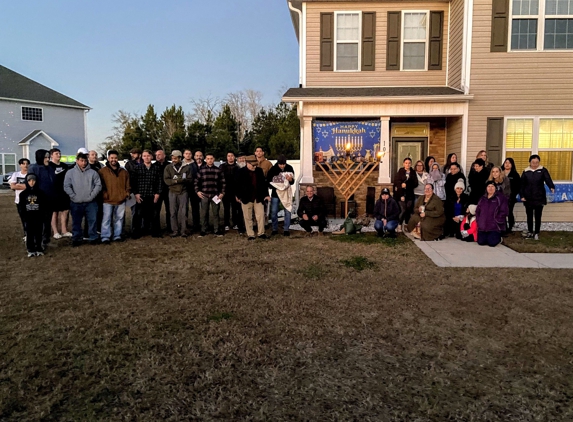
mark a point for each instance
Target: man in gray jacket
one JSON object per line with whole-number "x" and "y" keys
{"x": 82, "y": 184}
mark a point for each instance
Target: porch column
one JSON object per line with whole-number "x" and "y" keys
{"x": 306, "y": 152}
{"x": 384, "y": 168}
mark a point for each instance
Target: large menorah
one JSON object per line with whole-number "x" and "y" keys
{"x": 350, "y": 175}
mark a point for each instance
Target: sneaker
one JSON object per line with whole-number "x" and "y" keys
{"x": 39, "y": 253}
{"x": 184, "y": 234}
{"x": 399, "y": 228}
{"x": 274, "y": 233}
{"x": 119, "y": 239}
{"x": 175, "y": 234}
{"x": 202, "y": 234}
{"x": 235, "y": 227}
{"x": 251, "y": 238}
{"x": 31, "y": 254}
{"x": 263, "y": 236}
{"x": 57, "y": 236}
{"x": 24, "y": 239}
{"x": 529, "y": 236}
{"x": 525, "y": 234}
{"x": 105, "y": 242}
{"x": 536, "y": 236}
{"x": 227, "y": 228}
{"x": 286, "y": 233}
{"x": 67, "y": 234}
{"x": 219, "y": 234}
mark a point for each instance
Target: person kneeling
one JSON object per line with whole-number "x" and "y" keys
{"x": 387, "y": 214}
{"x": 468, "y": 226}
{"x": 491, "y": 212}
{"x": 312, "y": 212}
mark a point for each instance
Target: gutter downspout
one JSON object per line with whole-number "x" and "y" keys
{"x": 300, "y": 57}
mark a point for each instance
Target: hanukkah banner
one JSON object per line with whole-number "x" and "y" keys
{"x": 360, "y": 140}
{"x": 563, "y": 193}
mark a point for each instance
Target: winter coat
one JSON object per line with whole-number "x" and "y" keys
{"x": 178, "y": 180}
{"x": 451, "y": 202}
{"x": 432, "y": 225}
{"x": 115, "y": 185}
{"x": 438, "y": 181}
{"x": 411, "y": 183}
{"x": 230, "y": 171}
{"x": 469, "y": 224}
{"x": 504, "y": 187}
{"x": 477, "y": 184}
{"x": 46, "y": 175}
{"x": 451, "y": 180}
{"x": 82, "y": 186}
{"x": 492, "y": 212}
{"x": 388, "y": 210}
{"x": 514, "y": 183}
{"x": 312, "y": 208}
{"x": 245, "y": 188}
{"x": 275, "y": 171}
{"x": 532, "y": 186}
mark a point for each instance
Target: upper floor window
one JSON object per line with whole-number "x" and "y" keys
{"x": 347, "y": 41}
{"x": 541, "y": 24}
{"x": 32, "y": 113}
{"x": 415, "y": 37}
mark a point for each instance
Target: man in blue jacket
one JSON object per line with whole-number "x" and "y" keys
{"x": 82, "y": 184}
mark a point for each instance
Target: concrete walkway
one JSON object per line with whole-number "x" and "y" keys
{"x": 452, "y": 252}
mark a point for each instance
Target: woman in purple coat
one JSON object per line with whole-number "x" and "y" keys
{"x": 491, "y": 212}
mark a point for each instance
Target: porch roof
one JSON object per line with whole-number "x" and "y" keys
{"x": 376, "y": 94}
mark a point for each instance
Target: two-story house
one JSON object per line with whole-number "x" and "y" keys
{"x": 433, "y": 78}
{"x": 33, "y": 116}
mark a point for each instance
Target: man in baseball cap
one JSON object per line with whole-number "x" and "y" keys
{"x": 387, "y": 214}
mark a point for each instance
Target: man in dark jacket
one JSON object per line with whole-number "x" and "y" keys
{"x": 194, "y": 200}
{"x": 232, "y": 209}
{"x": 386, "y": 213}
{"x": 404, "y": 186}
{"x": 280, "y": 167}
{"x": 252, "y": 192}
{"x": 312, "y": 212}
{"x": 210, "y": 188}
{"x": 130, "y": 166}
{"x": 146, "y": 185}
{"x": 46, "y": 176}
{"x": 162, "y": 162}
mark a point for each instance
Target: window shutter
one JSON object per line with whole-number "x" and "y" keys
{"x": 499, "y": 22}
{"x": 368, "y": 40}
{"x": 436, "y": 40}
{"x": 393, "y": 43}
{"x": 494, "y": 139}
{"x": 327, "y": 41}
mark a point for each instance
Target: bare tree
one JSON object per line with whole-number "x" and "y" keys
{"x": 121, "y": 120}
{"x": 244, "y": 105}
{"x": 204, "y": 109}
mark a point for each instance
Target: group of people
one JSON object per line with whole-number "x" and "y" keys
{"x": 96, "y": 196}
{"x": 432, "y": 202}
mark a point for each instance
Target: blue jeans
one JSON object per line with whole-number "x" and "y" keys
{"x": 112, "y": 215}
{"x": 389, "y": 227}
{"x": 274, "y": 215}
{"x": 78, "y": 211}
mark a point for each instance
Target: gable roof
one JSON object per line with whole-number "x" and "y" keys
{"x": 34, "y": 134}
{"x": 16, "y": 87}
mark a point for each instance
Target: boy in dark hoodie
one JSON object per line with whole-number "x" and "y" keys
{"x": 46, "y": 182}
{"x": 32, "y": 203}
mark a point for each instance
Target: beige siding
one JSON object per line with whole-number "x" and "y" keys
{"x": 456, "y": 38}
{"x": 515, "y": 84}
{"x": 552, "y": 213}
{"x": 454, "y": 136}
{"x": 379, "y": 77}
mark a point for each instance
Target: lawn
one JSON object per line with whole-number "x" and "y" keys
{"x": 285, "y": 329}
{"x": 549, "y": 242}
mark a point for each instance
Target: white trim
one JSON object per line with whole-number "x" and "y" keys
{"x": 464, "y": 143}
{"x": 408, "y": 99}
{"x": 426, "y": 42}
{"x": 86, "y": 128}
{"x": 41, "y": 132}
{"x": 467, "y": 46}
{"x": 30, "y": 120}
{"x": 357, "y": 42}
{"x": 19, "y": 100}
{"x": 304, "y": 46}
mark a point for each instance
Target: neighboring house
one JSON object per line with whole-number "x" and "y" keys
{"x": 33, "y": 116}
{"x": 436, "y": 77}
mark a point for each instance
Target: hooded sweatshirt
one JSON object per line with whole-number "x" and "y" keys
{"x": 32, "y": 203}
{"x": 46, "y": 175}
{"x": 82, "y": 186}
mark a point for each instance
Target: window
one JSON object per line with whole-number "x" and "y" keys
{"x": 550, "y": 138}
{"x": 347, "y": 41}
{"x": 414, "y": 36}
{"x": 541, "y": 24}
{"x": 7, "y": 163}
{"x": 32, "y": 113}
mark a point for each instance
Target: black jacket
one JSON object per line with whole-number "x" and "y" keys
{"x": 275, "y": 171}
{"x": 451, "y": 180}
{"x": 245, "y": 190}
{"x": 32, "y": 204}
{"x": 312, "y": 208}
{"x": 514, "y": 183}
{"x": 477, "y": 185}
{"x": 230, "y": 172}
{"x": 452, "y": 200}
{"x": 533, "y": 186}
{"x": 411, "y": 184}
{"x": 389, "y": 210}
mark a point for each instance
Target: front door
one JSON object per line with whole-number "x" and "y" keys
{"x": 413, "y": 148}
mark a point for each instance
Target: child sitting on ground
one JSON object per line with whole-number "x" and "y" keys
{"x": 468, "y": 226}
{"x": 31, "y": 204}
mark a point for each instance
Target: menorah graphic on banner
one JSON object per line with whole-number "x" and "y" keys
{"x": 348, "y": 143}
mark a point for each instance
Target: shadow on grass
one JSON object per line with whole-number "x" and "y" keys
{"x": 370, "y": 239}
{"x": 359, "y": 263}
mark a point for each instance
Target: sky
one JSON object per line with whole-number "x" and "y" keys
{"x": 124, "y": 55}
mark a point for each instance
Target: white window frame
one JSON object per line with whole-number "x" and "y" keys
{"x": 3, "y": 162}
{"x": 541, "y": 17}
{"x": 359, "y": 41}
{"x": 28, "y": 120}
{"x": 534, "y": 139}
{"x": 426, "y": 41}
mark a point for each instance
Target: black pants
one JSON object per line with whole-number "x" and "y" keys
{"x": 47, "y": 223}
{"x": 21, "y": 218}
{"x": 405, "y": 210}
{"x": 510, "y": 216}
{"x": 164, "y": 199}
{"x": 530, "y": 210}
{"x": 195, "y": 208}
{"x": 233, "y": 212}
{"x": 146, "y": 219}
{"x": 34, "y": 233}
{"x": 307, "y": 224}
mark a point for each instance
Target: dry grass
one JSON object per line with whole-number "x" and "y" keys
{"x": 225, "y": 329}
{"x": 549, "y": 242}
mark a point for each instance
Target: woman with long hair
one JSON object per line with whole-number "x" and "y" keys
{"x": 515, "y": 184}
{"x": 422, "y": 176}
{"x": 533, "y": 181}
{"x": 427, "y": 222}
{"x": 501, "y": 182}
{"x": 483, "y": 155}
{"x": 452, "y": 158}
{"x": 428, "y": 163}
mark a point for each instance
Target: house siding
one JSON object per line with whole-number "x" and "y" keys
{"x": 65, "y": 125}
{"x": 380, "y": 76}
{"x": 454, "y": 136}
{"x": 455, "y": 43}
